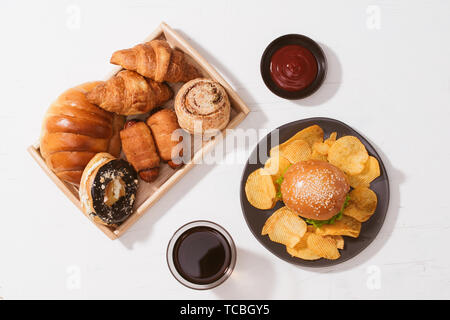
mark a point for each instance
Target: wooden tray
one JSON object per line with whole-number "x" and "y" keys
{"x": 149, "y": 193}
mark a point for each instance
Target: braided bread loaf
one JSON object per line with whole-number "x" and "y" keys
{"x": 74, "y": 130}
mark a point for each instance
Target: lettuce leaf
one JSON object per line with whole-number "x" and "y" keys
{"x": 332, "y": 220}
{"x": 279, "y": 181}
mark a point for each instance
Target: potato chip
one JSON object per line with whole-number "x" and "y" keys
{"x": 371, "y": 172}
{"x": 295, "y": 151}
{"x": 276, "y": 166}
{"x": 260, "y": 190}
{"x": 289, "y": 230}
{"x": 317, "y": 156}
{"x": 323, "y": 247}
{"x": 339, "y": 241}
{"x": 347, "y": 226}
{"x": 274, "y": 218}
{"x": 310, "y": 134}
{"x": 331, "y": 139}
{"x": 364, "y": 198}
{"x": 285, "y": 227}
{"x": 302, "y": 251}
{"x": 348, "y": 154}
{"x": 270, "y": 222}
{"x": 321, "y": 147}
{"x": 362, "y": 204}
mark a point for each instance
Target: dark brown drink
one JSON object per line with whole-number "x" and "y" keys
{"x": 201, "y": 255}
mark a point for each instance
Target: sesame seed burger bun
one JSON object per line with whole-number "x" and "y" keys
{"x": 314, "y": 189}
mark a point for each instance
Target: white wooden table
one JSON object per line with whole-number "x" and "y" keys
{"x": 389, "y": 78}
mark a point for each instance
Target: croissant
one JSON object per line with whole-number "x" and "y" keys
{"x": 129, "y": 93}
{"x": 140, "y": 150}
{"x": 156, "y": 60}
{"x": 74, "y": 130}
{"x": 163, "y": 124}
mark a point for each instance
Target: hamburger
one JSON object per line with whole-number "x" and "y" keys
{"x": 316, "y": 190}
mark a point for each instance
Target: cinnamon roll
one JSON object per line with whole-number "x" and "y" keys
{"x": 202, "y": 105}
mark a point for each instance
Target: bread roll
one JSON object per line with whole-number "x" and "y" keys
{"x": 74, "y": 130}
{"x": 314, "y": 189}
{"x": 140, "y": 150}
{"x": 202, "y": 105}
{"x": 163, "y": 124}
{"x": 108, "y": 189}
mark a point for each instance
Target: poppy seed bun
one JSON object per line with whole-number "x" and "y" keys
{"x": 108, "y": 189}
{"x": 314, "y": 189}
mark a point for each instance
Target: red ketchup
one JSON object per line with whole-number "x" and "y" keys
{"x": 293, "y": 67}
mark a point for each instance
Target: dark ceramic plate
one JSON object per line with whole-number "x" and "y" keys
{"x": 256, "y": 218}
{"x": 305, "y": 42}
